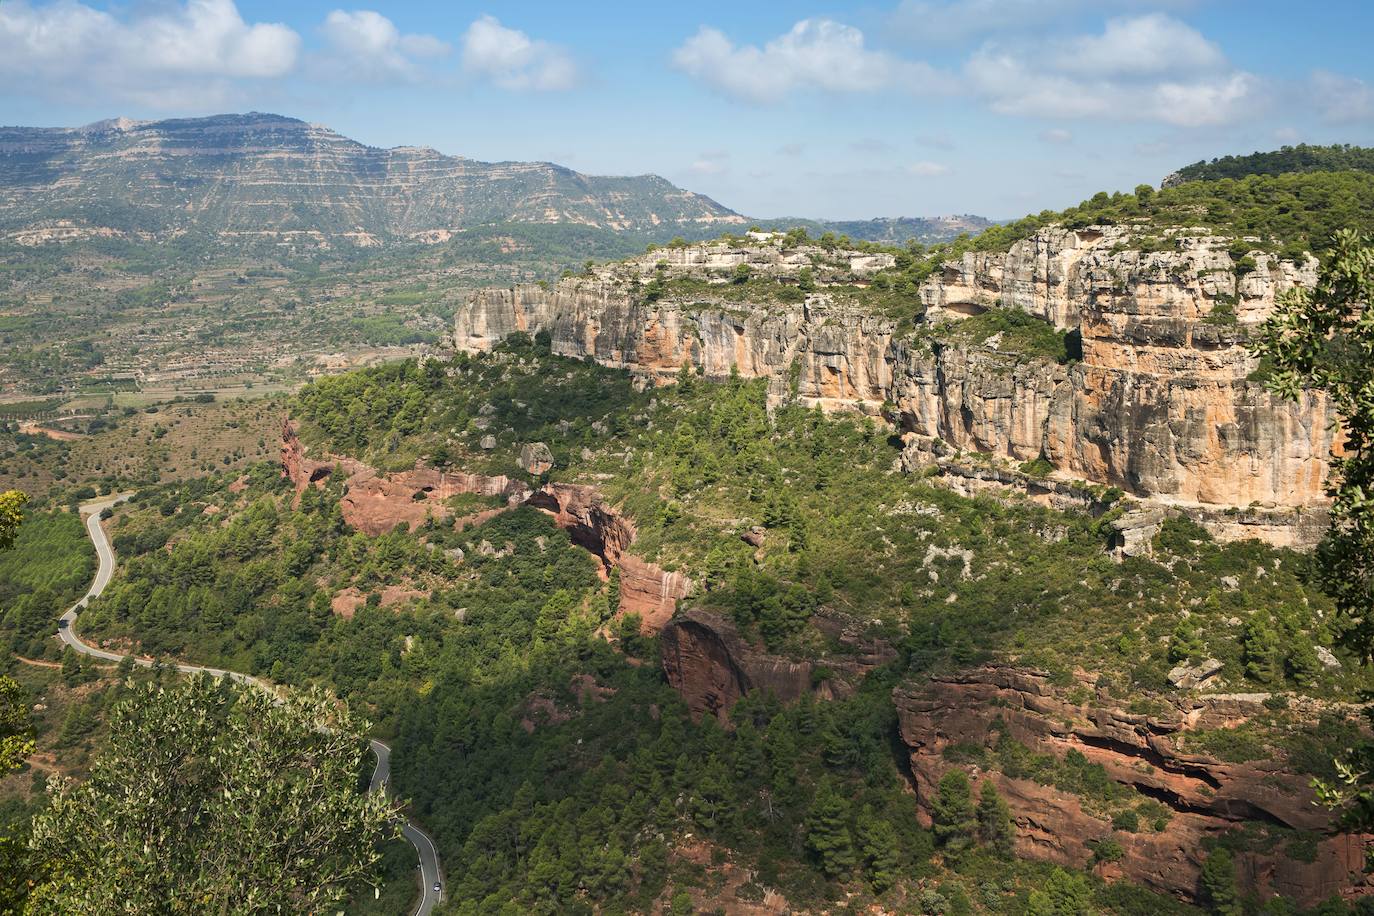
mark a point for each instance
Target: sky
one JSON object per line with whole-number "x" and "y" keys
{"x": 828, "y": 110}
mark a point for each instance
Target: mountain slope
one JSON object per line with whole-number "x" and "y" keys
{"x": 263, "y": 174}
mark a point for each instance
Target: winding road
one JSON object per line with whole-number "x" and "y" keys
{"x": 381, "y": 775}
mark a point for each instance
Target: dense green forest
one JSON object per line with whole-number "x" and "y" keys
{"x": 46, "y": 571}
{"x": 521, "y": 734}
{"x": 1340, "y": 157}
{"x": 697, "y": 462}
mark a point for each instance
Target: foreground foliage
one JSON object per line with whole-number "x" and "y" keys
{"x": 208, "y": 796}
{"x": 1324, "y": 339}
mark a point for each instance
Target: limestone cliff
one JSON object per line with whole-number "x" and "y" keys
{"x": 951, "y": 717}
{"x": 1160, "y": 404}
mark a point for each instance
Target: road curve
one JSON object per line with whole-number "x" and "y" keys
{"x": 425, "y": 849}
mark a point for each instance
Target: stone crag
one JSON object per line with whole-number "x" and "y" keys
{"x": 375, "y": 503}
{"x": 709, "y": 662}
{"x": 1206, "y": 797}
{"x": 1161, "y": 405}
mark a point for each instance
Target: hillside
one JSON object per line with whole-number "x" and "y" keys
{"x": 554, "y": 634}
{"x": 1290, "y": 201}
{"x": 263, "y": 175}
{"x": 1289, "y": 159}
{"x": 899, "y": 230}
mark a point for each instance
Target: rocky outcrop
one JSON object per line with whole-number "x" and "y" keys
{"x": 645, "y": 589}
{"x": 535, "y": 458}
{"x": 375, "y": 503}
{"x": 707, "y": 661}
{"x": 1160, "y": 405}
{"x": 1207, "y": 798}
{"x": 710, "y": 663}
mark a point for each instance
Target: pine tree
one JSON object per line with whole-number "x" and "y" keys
{"x": 1218, "y": 882}
{"x": 881, "y": 849}
{"x": 1263, "y": 652}
{"x": 952, "y": 813}
{"x": 995, "y": 828}
{"x": 1064, "y": 894}
{"x": 827, "y": 831}
{"x": 749, "y": 758}
{"x": 1185, "y": 643}
{"x": 710, "y": 801}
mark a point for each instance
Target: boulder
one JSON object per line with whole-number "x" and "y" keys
{"x": 536, "y": 458}
{"x": 1188, "y": 677}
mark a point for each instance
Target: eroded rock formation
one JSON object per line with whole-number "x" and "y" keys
{"x": 375, "y": 503}
{"x": 1161, "y": 403}
{"x": 1206, "y": 797}
{"x": 712, "y": 665}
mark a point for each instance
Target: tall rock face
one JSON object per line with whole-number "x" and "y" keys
{"x": 1160, "y": 405}
{"x": 710, "y": 663}
{"x": 952, "y": 717}
{"x": 262, "y": 175}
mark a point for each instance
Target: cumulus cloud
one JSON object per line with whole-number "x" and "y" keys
{"x": 512, "y": 60}
{"x": 1142, "y": 46}
{"x": 1342, "y": 99}
{"x": 185, "y": 55}
{"x": 814, "y": 54}
{"x": 366, "y": 46}
{"x": 1151, "y": 67}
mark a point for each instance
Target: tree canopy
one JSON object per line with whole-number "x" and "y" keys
{"x": 1323, "y": 338}
{"x": 210, "y": 797}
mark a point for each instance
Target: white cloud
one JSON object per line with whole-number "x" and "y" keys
{"x": 1142, "y": 46}
{"x": 814, "y": 54}
{"x": 366, "y": 46}
{"x": 184, "y": 55}
{"x": 1204, "y": 103}
{"x": 1342, "y": 99}
{"x": 1056, "y": 135}
{"x": 512, "y": 60}
{"x": 927, "y": 169}
{"x": 1148, "y": 68}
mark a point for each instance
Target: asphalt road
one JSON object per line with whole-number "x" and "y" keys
{"x": 381, "y": 774}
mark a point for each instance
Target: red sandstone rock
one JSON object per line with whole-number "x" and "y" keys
{"x": 376, "y": 503}
{"x": 1208, "y": 797}
{"x": 645, "y": 589}
{"x": 650, "y": 592}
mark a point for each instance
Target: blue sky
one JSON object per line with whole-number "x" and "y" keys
{"x": 839, "y": 110}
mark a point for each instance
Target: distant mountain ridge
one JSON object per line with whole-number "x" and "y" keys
{"x": 266, "y": 175}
